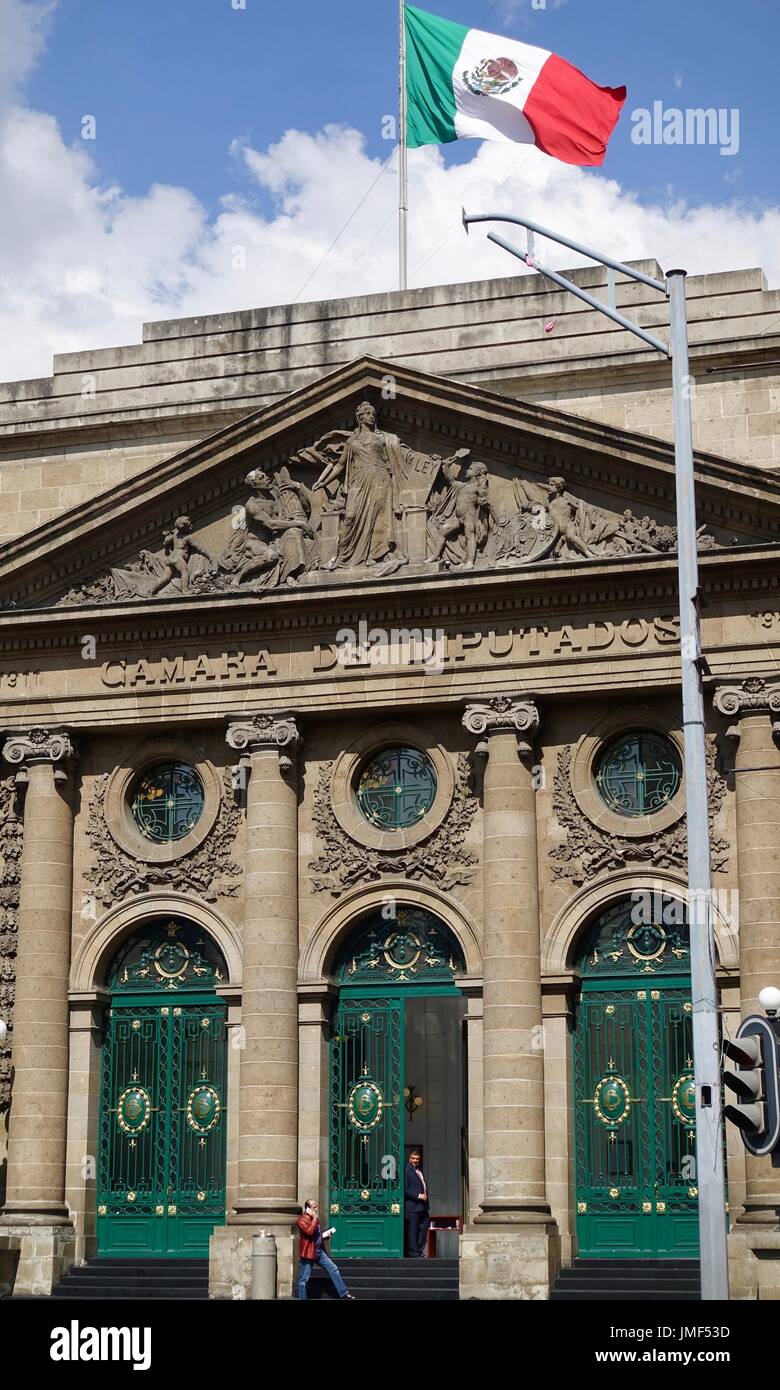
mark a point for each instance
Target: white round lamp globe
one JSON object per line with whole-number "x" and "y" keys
{"x": 769, "y": 999}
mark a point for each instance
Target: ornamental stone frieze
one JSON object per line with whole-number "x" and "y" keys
{"x": 504, "y": 714}
{"x": 754, "y": 695}
{"x": 39, "y": 746}
{"x": 363, "y": 503}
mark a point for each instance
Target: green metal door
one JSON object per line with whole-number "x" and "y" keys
{"x": 634, "y": 1094}
{"x": 163, "y": 1103}
{"x": 388, "y": 960}
{"x": 366, "y": 1138}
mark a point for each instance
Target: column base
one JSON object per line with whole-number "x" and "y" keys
{"x": 259, "y": 1210}
{"x": 33, "y": 1214}
{"x": 754, "y": 1263}
{"x": 230, "y": 1250}
{"x": 34, "y": 1256}
{"x": 760, "y": 1212}
{"x": 499, "y": 1212}
{"x": 510, "y": 1252}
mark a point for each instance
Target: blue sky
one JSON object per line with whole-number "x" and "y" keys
{"x": 173, "y": 82}
{"x": 238, "y": 158}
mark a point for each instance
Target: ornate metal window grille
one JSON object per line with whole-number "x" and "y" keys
{"x": 396, "y": 788}
{"x": 639, "y": 774}
{"x": 413, "y": 948}
{"x": 648, "y": 936}
{"x": 168, "y": 802}
{"x": 167, "y": 955}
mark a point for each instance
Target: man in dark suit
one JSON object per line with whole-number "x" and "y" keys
{"x": 416, "y": 1207}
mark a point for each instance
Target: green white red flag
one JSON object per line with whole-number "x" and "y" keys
{"x": 464, "y": 83}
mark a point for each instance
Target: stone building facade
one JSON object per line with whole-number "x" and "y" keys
{"x": 342, "y": 802}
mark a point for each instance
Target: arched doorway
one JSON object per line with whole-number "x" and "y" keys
{"x": 397, "y": 1078}
{"x": 634, "y": 1123}
{"x": 163, "y": 1096}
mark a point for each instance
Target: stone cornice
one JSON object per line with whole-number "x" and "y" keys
{"x": 534, "y": 590}
{"x": 39, "y": 746}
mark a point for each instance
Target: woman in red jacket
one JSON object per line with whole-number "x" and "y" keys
{"x": 311, "y": 1252}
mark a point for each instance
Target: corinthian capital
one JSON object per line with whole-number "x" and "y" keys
{"x": 755, "y": 695}
{"x": 504, "y": 714}
{"x": 752, "y": 695}
{"x": 264, "y": 731}
{"x": 39, "y": 746}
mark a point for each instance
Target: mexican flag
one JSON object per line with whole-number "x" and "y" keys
{"x": 463, "y": 83}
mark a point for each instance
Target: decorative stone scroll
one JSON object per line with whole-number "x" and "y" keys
{"x": 504, "y": 714}
{"x": 264, "y": 731}
{"x": 374, "y": 506}
{"x": 589, "y": 850}
{"x": 278, "y": 731}
{"x": 209, "y": 870}
{"x": 441, "y": 858}
{"x": 755, "y": 695}
{"x": 39, "y": 746}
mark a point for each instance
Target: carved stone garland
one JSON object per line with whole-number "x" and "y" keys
{"x": 589, "y": 851}
{"x": 10, "y": 856}
{"x": 441, "y": 859}
{"x": 210, "y": 870}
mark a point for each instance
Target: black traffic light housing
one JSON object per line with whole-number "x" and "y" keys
{"x": 756, "y": 1083}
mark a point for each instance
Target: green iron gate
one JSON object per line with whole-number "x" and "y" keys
{"x": 383, "y": 965}
{"x": 161, "y": 1178}
{"x": 634, "y": 1091}
{"x": 367, "y": 1167}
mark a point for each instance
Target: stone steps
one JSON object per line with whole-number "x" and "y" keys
{"x": 626, "y": 1281}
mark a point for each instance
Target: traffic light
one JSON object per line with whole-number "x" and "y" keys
{"x": 756, "y": 1084}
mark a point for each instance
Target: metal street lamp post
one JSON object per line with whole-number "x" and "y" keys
{"x": 706, "y": 1034}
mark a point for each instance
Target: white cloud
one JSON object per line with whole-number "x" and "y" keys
{"x": 23, "y": 27}
{"x": 83, "y": 265}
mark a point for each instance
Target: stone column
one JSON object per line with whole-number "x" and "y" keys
{"x": 515, "y": 1200}
{"x": 35, "y": 1190}
{"x": 268, "y": 1093}
{"x": 757, "y": 791}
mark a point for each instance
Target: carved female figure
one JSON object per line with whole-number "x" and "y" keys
{"x": 371, "y": 464}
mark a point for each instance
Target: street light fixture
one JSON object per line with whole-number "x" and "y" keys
{"x": 706, "y": 1030}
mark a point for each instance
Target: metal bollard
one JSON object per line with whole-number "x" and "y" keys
{"x": 263, "y": 1266}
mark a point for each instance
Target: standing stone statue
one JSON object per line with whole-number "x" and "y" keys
{"x": 372, "y": 465}
{"x": 461, "y": 516}
{"x": 182, "y": 561}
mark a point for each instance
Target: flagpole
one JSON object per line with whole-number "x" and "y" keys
{"x": 403, "y": 177}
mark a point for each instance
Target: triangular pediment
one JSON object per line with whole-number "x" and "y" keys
{"x": 441, "y": 478}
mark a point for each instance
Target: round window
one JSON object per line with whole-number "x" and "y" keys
{"x": 396, "y": 788}
{"x": 639, "y": 774}
{"x": 167, "y": 802}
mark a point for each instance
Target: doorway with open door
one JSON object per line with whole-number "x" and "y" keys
{"x": 397, "y": 1080}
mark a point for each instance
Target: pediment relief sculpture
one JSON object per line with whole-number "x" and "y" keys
{"x": 372, "y": 505}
